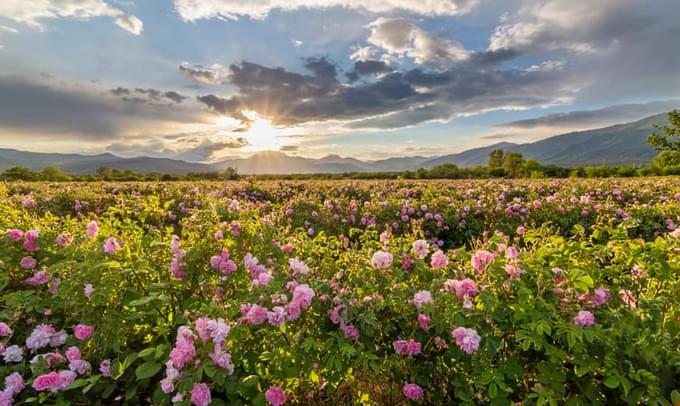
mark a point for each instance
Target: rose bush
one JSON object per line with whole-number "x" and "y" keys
{"x": 541, "y": 292}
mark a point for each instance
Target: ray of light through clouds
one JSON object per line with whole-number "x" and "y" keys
{"x": 205, "y": 80}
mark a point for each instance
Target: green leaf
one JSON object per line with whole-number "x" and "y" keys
{"x": 675, "y": 398}
{"x": 493, "y": 391}
{"x": 611, "y": 382}
{"x": 78, "y": 383}
{"x": 147, "y": 370}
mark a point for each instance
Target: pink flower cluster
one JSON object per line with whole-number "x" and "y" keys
{"x": 337, "y": 316}
{"x": 28, "y": 262}
{"x": 222, "y": 263}
{"x": 421, "y": 248}
{"x": 422, "y": 298}
{"x": 481, "y": 260}
{"x": 464, "y": 290}
{"x": 177, "y": 262}
{"x": 83, "y": 331}
{"x": 256, "y": 314}
{"x": 54, "y": 381}
{"x": 439, "y": 260}
{"x": 76, "y": 363}
{"x": 5, "y": 330}
{"x": 14, "y": 384}
{"x": 413, "y": 391}
{"x": 381, "y": 260}
{"x": 467, "y": 339}
{"x": 584, "y": 318}
{"x": 598, "y": 298}
{"x": 298, "y": 267}
{"x": 44, "y": 335}
{"x": 408, "y": 347}
{"x": 92, "y": 229}
{"x": 30, "y": 238}
{"x": 39, "y": 278}
{"x": 200, "y": 395}
{"x": 258, "y": 272}
{"x": 64, "y": 239}
{"x": 275, "y": 396}
{"x": 111, "y": 246}
{"x": 209, "y": 331}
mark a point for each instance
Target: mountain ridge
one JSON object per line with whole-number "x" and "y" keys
{"x": 618, "y": 144}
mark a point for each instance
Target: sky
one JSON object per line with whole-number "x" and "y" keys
{"x": 206, "y": 80}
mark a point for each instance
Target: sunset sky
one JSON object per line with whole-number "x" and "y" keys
{"x": 203, "y": 80}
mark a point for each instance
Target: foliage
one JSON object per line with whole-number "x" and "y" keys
{"x": 358, "y": 294}
{"x": 669, "y": 139}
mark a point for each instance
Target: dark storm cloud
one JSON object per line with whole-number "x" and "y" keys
{"x": 583, "y": 118}
{"x": 41, "y": 110}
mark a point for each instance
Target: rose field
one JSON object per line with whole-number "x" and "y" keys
{"x": 341, "y": 292}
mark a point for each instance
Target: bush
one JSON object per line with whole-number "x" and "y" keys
{"x": 542, "y": 292}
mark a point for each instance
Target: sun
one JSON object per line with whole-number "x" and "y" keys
{"x": 261, "y": 134}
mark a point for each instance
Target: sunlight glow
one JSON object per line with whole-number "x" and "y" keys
{"x": 261, "y": 135}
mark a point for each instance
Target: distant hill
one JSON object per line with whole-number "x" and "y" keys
{"x": 84, "y": 164}
{"x": 615, "y": 145}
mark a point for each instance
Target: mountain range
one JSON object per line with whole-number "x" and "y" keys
{"x": 614, "y": 145}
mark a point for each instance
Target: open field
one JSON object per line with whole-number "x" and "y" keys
{"x": 341, "y": 292}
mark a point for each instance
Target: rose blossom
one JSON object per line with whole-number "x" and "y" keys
{"x": 413, "y": 391}
{"x": 275, "y": 396}
{"x": 83, "y": 331}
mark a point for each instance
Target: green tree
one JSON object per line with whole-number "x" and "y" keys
{"x": 496, "y": 158}
{"x": 53, "y": 173}
{"x": 669, "y": 140}
{"x": 231, "y": 173}
{"x": 513, "y": 163}
{"x": 19, "y": 173}
{"x": 667, "y": 158}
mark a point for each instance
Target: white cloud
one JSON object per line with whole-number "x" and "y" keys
{"x": 400, "y": 37}
{"x": 130, "y": 23}
{"x": 31, "y": 12}
{"x": 213, "y": 74}
{"x": 9, "y": 29}
{"x": 191, "y": 10}
{"x": 363, "y": 53}
{"x": 578, "y": 26}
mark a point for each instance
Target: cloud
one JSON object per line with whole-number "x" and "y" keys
{"x": 130, "y": 23}
{"x": 32, "y": 12}
{"x": 191, "y": 10}
{"x": 400, "y": 37}
{"x": 289, "y": 148}
{"x": 8, "y": 29}
{"x": 394, "y": 99}
{"x": 198, "y": 146}
{"x": 46, "y": 112}
{"x": 367, "y": 67}
{"x": 588, "y": 118}
{"x": 619, "y": 48}
{"x": 549, "y": 25}
{"x": 139, "y": 95}
{"x": 215, "y": 74}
